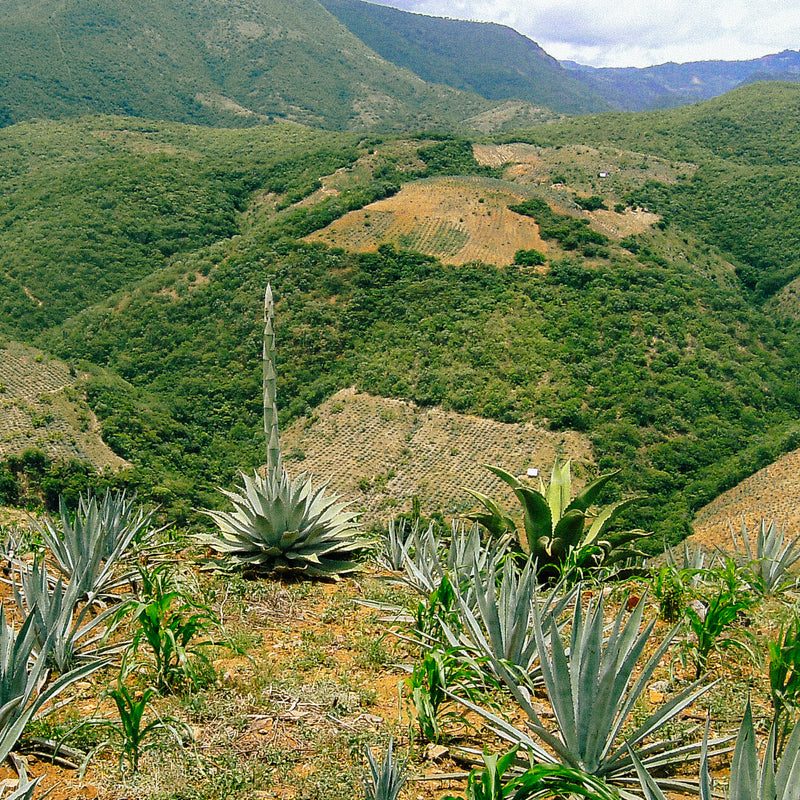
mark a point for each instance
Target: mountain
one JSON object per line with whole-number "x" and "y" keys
{"x": 210, "y": 62}
{"x": 666, "y": 85}
{"x": 499, "y": 63}
{"x": 491, "y": 60}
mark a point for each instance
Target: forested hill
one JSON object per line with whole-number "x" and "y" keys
{"x": 491, "y": 60}
{"x": 658, "y": 345}
{"x": 211, "y": 62}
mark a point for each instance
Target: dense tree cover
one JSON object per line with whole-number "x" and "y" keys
{"x": 82, "y": 220}
{"x": 570, "y": 232}
{"x": 626, "y": 352}
{"x": 651, "y": 348}
{"x": 32, "y": 479}
{"x": 213, "y": 63}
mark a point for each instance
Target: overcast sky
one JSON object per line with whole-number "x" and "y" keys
{"x": 627, "y": 33}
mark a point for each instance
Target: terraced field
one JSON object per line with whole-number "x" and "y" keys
{"x": 771, "y": 493}
{"x": 380, "y": 453}
{"x": 458, "y": 220}
{"x": 41, "y": 406}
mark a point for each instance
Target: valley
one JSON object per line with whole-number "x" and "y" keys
{"x": 495, "y": 296}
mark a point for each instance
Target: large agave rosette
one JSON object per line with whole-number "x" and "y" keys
{"x": 282, "y": 524}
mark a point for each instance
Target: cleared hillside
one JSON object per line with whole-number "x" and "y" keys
{"x": 41, "y": 407}
{"x": 455, "y": 219}
{"x": 771, "y": 493}
{"x": 381, "y": 452}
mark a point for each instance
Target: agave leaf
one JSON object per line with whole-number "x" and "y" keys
{"x": 567, "y": 534}
{"x": 745, "y": 771}
{"x": 560, "y": 489}
{"x": 589, "y": 494}
{"x": 537, "y": 519}
{"x": 496, "y": 521}
{"x": 606, "y": 517}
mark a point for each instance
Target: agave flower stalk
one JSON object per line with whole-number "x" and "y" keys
{"x": 279, "y": 523}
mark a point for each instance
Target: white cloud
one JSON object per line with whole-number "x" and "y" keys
{"x": 636, "y": 32}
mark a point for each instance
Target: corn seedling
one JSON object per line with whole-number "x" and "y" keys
{"x": 784, "y": 675}
{"x": 711, "y": 628}
{"x": 169, "y": 622}
{"x": 134, "y": 737}
{"x": 435, "y": 677}
{"x": 501, "y": 779}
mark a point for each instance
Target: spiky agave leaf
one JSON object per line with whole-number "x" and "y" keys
{"x": 385, "y": 780}
{"x": 88, "y": 546}
{"x": 73, "y": 633}
{"x": 593, "y": 686}
{"x": 284, "y": 524}
{"x": 23, "y": 680}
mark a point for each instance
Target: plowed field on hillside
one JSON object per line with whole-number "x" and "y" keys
{"x": 455, "y": 219}
{"x": 771, "y": 493}
{"x": 382, "y": 452}
{"x": 41, "y": 407}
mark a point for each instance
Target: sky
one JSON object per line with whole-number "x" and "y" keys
{"x": 635, "y": 33}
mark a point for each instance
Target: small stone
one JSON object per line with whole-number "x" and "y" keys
{"x": 436, "y": 752}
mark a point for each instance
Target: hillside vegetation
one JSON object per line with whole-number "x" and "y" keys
{"x": 231, "y": 64}
{"x": 743, "y": 199}
{"x": 646, "y": 339}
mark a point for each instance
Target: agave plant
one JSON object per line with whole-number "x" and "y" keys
{"x": 750, "y": 779}
{"x": 284, "y": 524}
{"x": 25, "y": 786}
{"x": 88, "y": 546}
{"x": 768, "y": 562}
{"x": 280, "y": 523}
{"x": 497, "y": 617}
{"x": 65, "y": 631}
{"x": 555, "y": 527}
{"x": 385, "y": 780}
{"x": 23, "y": 680}
{"x": 592, "y": 691}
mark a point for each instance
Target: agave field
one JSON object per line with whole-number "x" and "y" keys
{"x": 154, "y": 675}
{"x": 456, "y": 219}
{"x": 282, "y": 652}
{"x": 771, "y": 492}
{"x": 40, "y": 407}
{"x": 383, "y": 452}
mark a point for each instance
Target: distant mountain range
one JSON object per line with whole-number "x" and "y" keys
{"x": 665, "y": 85}
{"x": 341, "y": 64}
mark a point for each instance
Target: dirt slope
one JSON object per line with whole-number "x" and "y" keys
{"x": 771, "y": 493}
{"x": 42, "y": 407}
